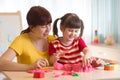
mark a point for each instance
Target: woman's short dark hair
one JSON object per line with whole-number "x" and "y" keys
{"x": 37, "y": 15}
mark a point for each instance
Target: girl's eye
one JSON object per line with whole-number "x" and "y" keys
{"x": 43, "y": 26}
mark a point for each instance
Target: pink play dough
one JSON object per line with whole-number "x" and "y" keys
{"x": 73, "y": 67}
{"x": 67, "y": 67}
{"x": 58, "y": 66}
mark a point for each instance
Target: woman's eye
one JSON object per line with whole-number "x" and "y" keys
{"x": 76, "y": 31}
{"x": 70, "y": 30}
{"x": 44, "y": 26}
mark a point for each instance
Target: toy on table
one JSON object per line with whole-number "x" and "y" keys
{"x": 108, "y": 67}
{"x": 72, "y": 73}
{"x": 76, "y": 74}
{"x": 95, "y": 39}
{"x": 37, "y": 69}
{"x": 73, "y": 67}
{"x": 112, "y": 65}
{"x": 39, "y": 74}
{"x": 58, "y": 66}
{"x": 115, "y": 64}
{"x": 109, "y": 40}
{"x": 57, "y": 75}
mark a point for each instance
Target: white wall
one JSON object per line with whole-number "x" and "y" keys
{"x": 57, "y": 8}
{"x": 17, "y": 5}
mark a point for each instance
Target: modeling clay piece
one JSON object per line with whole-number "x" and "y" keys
{"x": 89, "y": 68}
{"x": 46, "y": 70}
{"x": 31, "y": 71}
{"x": 39, "y": 74}
{"x": 68, "y": 73}
{"x": 76, "y": 68}
{"x": 57, "y": 75}
{"x": 76, "y": 74}
{"x": 58, "y": 66}
{"x": 81, "y": 69}
{"x": 73, "y": 67}
{"x": 85, "y": 68}
{"x": 67, "y": 67}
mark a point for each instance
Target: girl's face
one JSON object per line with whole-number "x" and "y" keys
{"x": 41, "y": 31}
{"x": 70, "y": 33}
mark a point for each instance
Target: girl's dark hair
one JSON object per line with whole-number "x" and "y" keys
{"x": 37, "y": 15}
{"x": 69, "y": 20}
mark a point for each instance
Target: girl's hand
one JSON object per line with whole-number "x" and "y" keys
{"x": 85, "y": 61}
{"x": 55, "y": 57}
{"x": 40, "y": 63}
{"x": 58, "y": 55}
{"x": 96, "y": 62}
{"x": 86, "y": 55}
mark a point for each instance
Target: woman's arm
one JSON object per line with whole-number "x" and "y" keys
{"x": 7, "y": 64}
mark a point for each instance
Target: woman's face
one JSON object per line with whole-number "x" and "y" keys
{"x": 41, "y": 31}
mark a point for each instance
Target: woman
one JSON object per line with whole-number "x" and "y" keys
{"x": 31, "y": 47}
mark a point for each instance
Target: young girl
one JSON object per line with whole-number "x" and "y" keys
{"x": 70, "y": 48}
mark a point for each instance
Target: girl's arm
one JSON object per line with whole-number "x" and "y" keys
{"x": 52, "y": 59}
{"x": 87, "y": 55}
{"x": 87, "y": 52}
{"x": 52, "y": 52}
{"x": 89, "y": 59}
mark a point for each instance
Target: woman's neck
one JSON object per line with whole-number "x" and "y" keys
{"x": 39, "y": 43}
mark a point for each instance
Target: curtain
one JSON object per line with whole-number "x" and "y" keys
{"x": 104, "y": 18}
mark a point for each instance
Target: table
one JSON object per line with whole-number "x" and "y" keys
{"x": 2, "y": 77}
{"x": 106, "y": 52}
{"x": 95, "y": 75}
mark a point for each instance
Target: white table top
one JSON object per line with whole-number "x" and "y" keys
{"x": 95, "y": 75}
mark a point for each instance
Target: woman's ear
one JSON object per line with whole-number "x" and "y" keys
{"x": 61, "y": 28}
{"x": 31, "y": 27}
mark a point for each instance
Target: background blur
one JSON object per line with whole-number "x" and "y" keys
{"x": 102, "y": 15}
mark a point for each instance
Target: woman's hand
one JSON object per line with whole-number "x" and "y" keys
{"x": 40, "y": 63}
